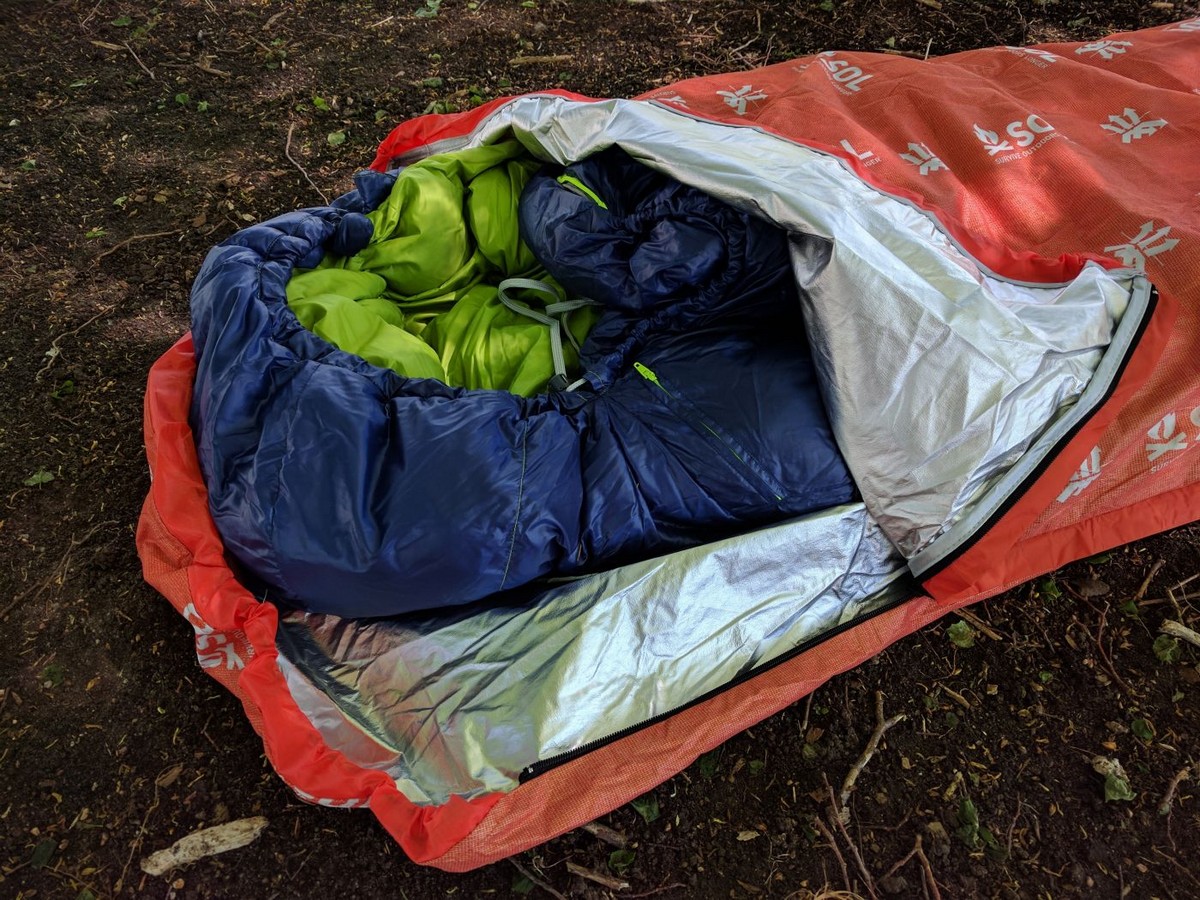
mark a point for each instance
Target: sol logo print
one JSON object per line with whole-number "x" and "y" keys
{"x": 1146, "y": 243}
{"x": 847, "y": 78}
{"x": 1163, "y": 438}
{"x": 352, "y": 803}
{"x": 1043, "y": 59}
{"x": 214, "y": 649}
{"x": 1104, "y": 49}
{"x": 1132, "y": 127}
{"x": 1088, "y": 472}
{"x": 739, "y": 98}
{"x": 1031, "y": 132}
{"x": 867, "y": 157}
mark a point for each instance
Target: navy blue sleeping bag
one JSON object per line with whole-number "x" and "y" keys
{"x": 344, "y": 488}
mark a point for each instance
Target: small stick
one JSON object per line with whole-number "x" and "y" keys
{"x": 613, "y": 884}
{"x": 137, "y": 237}
{"x": 657, "y": 890}
{"x": 287, "y": 151}
{"x": 979, "y": 624}
{"x": 1183, "y": 774}
{"x": 55, "y": 351}
{"x": 1105, "y": 656}
{"x": 205, "y": 67}
{"x": 606, "y": 834}
{"x": 1141, "y": 592}
{"x": 807, "y": 710}
{"x": 1182, "y": 632}
{"x": 545, "y": 887}
{"x": 881, "y": 729}
{"x": 928, "y": 869}
{"x": 900, "y": 865}
{"x": 828, "y": 835}
{"x": 540, "y": 60}
{"x": 139, "y": 62}
{"x": 835, "y": 816}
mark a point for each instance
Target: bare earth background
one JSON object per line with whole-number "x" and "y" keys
{"x": 133, "y": 137}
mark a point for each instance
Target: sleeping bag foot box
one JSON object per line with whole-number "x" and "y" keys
{"x": 581, "y": 435}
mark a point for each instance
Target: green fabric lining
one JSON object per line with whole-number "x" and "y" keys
{"x": 421, "y": 300}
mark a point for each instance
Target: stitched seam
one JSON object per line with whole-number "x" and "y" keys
{"x": 512, "y": 543}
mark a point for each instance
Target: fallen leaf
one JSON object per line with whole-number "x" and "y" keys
{"x": 748, "y": 835}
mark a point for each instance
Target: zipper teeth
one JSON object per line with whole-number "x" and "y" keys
{"x": 544, "y": 765}
{"x": 1010, "y": 501}
{"x": 696, "y": 419}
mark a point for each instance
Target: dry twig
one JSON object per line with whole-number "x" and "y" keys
{"x": 543, "y": 885}
{"x": 139, "y": 62}
{"x": 1183, "y": 774}
{"x": 928, "y": 870}
{"x": 829, "y": 839}
{"x": 1141, "y": 592}
{"x": 287, "y": 151}
{"x": 606, "y": 834}
{"x": 1177, "y": 630}
{"x": 55, "y": 351}
{"x": 836, "y": 816}
{"x": 130, "y": 240}
{"x": 979, "y": 624}
{"x": 613, "y": 884}
{"x": 881, "y": 728}
{"x": 540, "y": 60}
{"x": 1105, "y": 656}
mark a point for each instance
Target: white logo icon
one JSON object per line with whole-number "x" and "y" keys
{"x": 668, "y": 97}
{"x": 1163, "y": 438}
{"x": 1043, "y": 59}
{"x": 846, "y": 78}
{"x": 336, "y": 804}
{"x": 923, "y": 158}
{"x": 214, "y": 649}
{"x": 1195, "y": 417}
{"x": 1088, "y": 472}
{"x": 739, "y": 98}
{"x": 865, "y": 155}
{"x": 1187, "y": 25}
{"x": 1041, "y": 54}
{"x": 1147, "y": 242}
{"x": 1105, "y": 49}
{"x": 1132, "y": 127}
{"x": 992, "y": 141}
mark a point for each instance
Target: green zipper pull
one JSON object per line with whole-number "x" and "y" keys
{"x": 571, "y": 183}
{"x": 649, "y": 376}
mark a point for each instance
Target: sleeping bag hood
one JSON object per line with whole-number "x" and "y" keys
{"x": 811, "y": 410}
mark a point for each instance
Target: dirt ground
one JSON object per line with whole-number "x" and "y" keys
{"x": 134, "y": 136}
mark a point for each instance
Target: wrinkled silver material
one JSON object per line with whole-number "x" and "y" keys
{"x": 461, "y": 703}
{"x": 939, "y": 376}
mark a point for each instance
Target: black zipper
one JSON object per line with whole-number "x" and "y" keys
{"x": 1017, "y": 493}
{"x": 544, "y": 765}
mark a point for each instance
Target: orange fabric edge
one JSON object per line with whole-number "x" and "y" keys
{"x": 235, "y": 633}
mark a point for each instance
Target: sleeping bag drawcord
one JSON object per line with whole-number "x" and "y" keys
{"x": 555, "y": 317}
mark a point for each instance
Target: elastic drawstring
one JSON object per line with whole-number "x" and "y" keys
{"x": 555, "y": 318}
